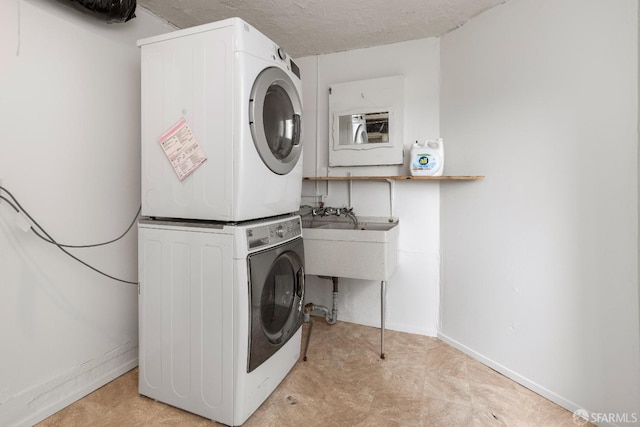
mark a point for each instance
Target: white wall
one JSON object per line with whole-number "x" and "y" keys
{"x": 412, "y": 293}
{"x": 69, "y": 152}
{"x": 540, "y": 261}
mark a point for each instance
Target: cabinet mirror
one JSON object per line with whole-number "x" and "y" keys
{"x": 370, "y": 128}
{"x": 366, "y": 122}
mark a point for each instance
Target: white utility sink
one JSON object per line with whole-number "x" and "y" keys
{"x": 333, "y": 247}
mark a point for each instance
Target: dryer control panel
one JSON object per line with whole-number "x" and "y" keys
{"x": 273, "y": 233}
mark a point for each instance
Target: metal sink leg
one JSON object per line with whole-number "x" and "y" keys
{"x": 383, "y": 297}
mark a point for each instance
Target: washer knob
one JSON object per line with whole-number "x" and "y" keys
{"x": 280, "y": 231}
{"x": 282, "y": 54}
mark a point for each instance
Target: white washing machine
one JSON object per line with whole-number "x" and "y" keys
{"x": 240, "y": 96}
{"x": 220, "y": 313}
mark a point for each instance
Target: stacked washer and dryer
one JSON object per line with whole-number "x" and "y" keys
{"x": 220, "y": 250}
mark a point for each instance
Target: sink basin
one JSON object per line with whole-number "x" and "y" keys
{"x": 348, "y": 225}
{"x": 334, "y": 248}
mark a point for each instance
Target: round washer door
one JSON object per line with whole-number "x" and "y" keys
{"x": 276, "y": 299}
{"x": 275, "y": 120}
{"x": 281, "y": 297}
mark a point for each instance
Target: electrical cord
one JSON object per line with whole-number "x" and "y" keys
{"x": 15, "y": 208}
{"x": 94, "y": 245}
{"x": 18, "y": 208}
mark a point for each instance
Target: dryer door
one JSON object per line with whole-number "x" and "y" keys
{"x": 275, "y": 120}
{"x": 361, "y": 135}
{"x": 277, "y": 294}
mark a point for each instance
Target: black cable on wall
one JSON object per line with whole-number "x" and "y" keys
{"x": 15, "y": 204}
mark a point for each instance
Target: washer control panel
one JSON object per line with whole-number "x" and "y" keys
{"x": 273, "y": 233}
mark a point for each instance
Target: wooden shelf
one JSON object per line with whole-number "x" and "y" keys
{"x": 395, "y": 178}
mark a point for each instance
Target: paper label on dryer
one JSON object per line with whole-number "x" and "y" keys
{"x": 182, "y": 149}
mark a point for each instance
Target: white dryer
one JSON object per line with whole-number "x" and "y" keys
{"x": 220, "y": 312}
{"x": 240, "y": 95}
{"x": 358, "y": 134}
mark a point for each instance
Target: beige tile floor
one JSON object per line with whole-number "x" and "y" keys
{"x": 422, "y": 382}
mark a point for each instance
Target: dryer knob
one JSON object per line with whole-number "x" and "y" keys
{"x": 280, "y": 231}
{"x": 282, "y": 54}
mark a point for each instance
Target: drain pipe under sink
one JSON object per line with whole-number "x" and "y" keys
{"x": 331, "y": 317}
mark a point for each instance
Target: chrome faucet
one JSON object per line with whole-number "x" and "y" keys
{"x": 329, "y": 211}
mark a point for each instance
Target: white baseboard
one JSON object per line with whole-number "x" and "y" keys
{"x": 389, "y": 326}
{"x": 531, "y": 385}
{"x": 43, "y": 400}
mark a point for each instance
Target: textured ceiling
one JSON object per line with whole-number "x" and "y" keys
{"x": 312, "y": 27}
